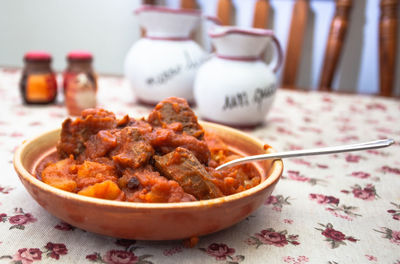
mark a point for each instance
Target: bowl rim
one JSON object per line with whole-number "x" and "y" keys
{"x": 276, "y": 167}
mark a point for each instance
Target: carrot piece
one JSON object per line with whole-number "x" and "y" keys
{"x": 190, "y": 242}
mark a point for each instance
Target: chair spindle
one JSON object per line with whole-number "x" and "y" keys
{"x": 337, "y": 35}
{"x": 295, "y": 43}
{"x": 387, "y": 45}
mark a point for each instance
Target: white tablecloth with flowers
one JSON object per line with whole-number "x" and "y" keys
{"x": 342, "y": 208}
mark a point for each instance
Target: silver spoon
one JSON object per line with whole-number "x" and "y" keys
{"x": 309, "y": 152}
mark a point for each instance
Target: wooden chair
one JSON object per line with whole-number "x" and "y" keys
{"x": 295, "y": 42}
{"x": 336, "y": 38}
{"x": 387, "y": 45}
{"x": 333, "y": 50}
{"x": 334, "y": 46}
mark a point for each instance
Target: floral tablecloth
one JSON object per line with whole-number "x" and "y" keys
{"x": 342, "y": 208}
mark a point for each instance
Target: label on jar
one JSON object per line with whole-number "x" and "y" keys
{"x": 40, "y": 88}
{"x": 80, "y": 93}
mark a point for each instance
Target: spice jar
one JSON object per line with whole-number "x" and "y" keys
{"x": 80, "y": 82}
{"x": 38, "y": 83}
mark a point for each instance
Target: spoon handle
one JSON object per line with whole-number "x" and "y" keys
{"x": 309, "y": 152}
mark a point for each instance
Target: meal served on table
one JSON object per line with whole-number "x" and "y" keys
{"x": 167, "y": 157}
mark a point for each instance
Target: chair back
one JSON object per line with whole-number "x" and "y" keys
{"x": 334, "y": 44}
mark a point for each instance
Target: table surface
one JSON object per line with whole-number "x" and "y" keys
{"x": 342, "y": 208}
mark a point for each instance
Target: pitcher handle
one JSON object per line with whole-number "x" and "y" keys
{"x": 213, "y": 19}
{"x": 277, "y": 59}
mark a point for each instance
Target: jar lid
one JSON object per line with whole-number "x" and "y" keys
{"x": 37, "y": 56}
{"x": 79, "y": 55}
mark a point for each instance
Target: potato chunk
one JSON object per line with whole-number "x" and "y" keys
{"x": 105, "y": 190}
{"x": 61, "y": 175}
{"x": 90, "y": 173}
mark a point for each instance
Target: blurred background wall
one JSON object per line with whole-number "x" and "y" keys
{"x": 108, "y": 29}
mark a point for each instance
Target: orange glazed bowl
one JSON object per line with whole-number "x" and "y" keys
{"x": 149, "y": 221}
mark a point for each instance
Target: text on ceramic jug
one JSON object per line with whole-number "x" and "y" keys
{"x": 245, "y": 99}
{"x": 190, "y": 63}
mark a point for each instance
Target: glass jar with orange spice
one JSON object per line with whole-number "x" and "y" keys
{"x": 80, "y": 82}
{"x": 38, "y": 83}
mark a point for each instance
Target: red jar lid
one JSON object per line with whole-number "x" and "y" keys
{"x": 79, "y": 55}
{"x": 38, "y": 56}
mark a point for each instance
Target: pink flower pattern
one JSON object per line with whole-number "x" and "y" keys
{"x": 222, "y": 252}
{"x": 296, "y": 176}
{"x": 288, "y": 221}
{"x": 54, "y": 250}
{"x": 394, "y": 212}
{"x": 324, "y": 199}
{"x": 353, "y": 158}
{"x": 361, "y": 174}
{"x": 118, "y": 256}
{"x": 334, "y": 237}
{"x": 5, "y": 189}
{"x": 19, "y": 220}
{"x": 392, "y": 235}
{"x": 367, "y": 193}
{"x": 3, "y": 217}
{"x": 172, "y": 251}
{"x": 294, "y": 260}
{"x": 64, "y": 226}
{"x": 271, "y": 237}
{"x": 387, "y": 169}
{"x": 28, "y": 255}
{"x": 395, "y": 237}
{"x": 277, "y": 202}
{"x": 371, "y": 258}
{"x": 332, "y": 206}
{"x": 219, "y": 251}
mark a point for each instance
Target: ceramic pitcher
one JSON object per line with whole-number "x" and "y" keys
{"x": 236, "y": 87}
{"x": 165, "y": 61}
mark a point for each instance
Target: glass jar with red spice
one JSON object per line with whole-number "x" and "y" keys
{"x": 38, "y": 83}
{"x": 80, "y": 82}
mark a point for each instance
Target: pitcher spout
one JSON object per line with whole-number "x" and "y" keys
{"x": 246, "y": 44}
{"x": 167, "y": 23}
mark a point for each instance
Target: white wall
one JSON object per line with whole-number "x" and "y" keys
{"x": 108, "y": 29}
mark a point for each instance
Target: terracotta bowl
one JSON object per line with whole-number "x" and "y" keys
{"x": 144, "y": 221}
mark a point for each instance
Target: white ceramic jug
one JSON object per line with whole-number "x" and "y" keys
{"x": 236, "y": 87}
{"x": 165, "y": 61}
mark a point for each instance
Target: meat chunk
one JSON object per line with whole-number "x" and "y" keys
{"x": 132, "y": 148}
{"x": 99, "y": 145}
{"x": 182, "y": 166}
{"x": 140, "y": 124}
{"x": 146, "y": 185}
{"x": 166, "y": 140}
{"x": 175, "y": 113}
{"x": 75, "y": 133}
